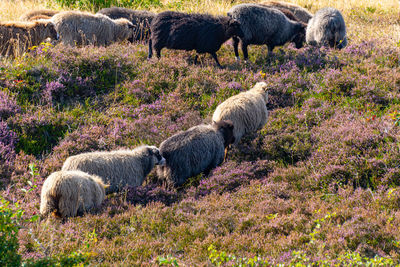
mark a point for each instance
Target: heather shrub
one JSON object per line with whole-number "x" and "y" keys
{"x": 317, "y": 185}
{"x": 38, "y": 132}
{"x": 8, "y": 105}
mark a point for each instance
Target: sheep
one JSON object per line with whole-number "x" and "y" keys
{"x": 301, "y": 13}
{"x": 263, "y": 25}
{"x": 247, "y": 111}
{"x": 328, "y": 28}
{"x": 82, "y": 28}
{"x": 35, "y": 14}
{"x": 71, "y": 193}
{"x": 39, "y": 17}
{"x": 140, "y": 19}
{"x": 17, "y": 37}
{"x": 199, "y": 149}
{"x": 117, "y": 168}
{"x": 201, "y": 32}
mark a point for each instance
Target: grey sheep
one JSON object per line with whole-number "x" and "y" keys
{"x": 117, "y": 168}
{"x": 264, "y": 25}
{"x": 140, "y": 19}
{"x": 83, "y": 28}
{"x": 70, "y": 193}
{"x": 247, "y": 111}
{"x": 328, "y": 28}
{"x": 199, "y": 149}
{"x": 17, "y": 37}
{"x": 36, "y": 14}
{"x": 301, "y": 13}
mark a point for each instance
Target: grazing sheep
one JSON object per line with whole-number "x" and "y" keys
{"x": 43, "y": 13}
{"x": 327, "y": 27}
{"x": 263, "y": 25}
{"x": 199, "y": 149}
{"x": 117, "y": 168}
{"x": 17, "y": 37}
{"x": 200, "y": 32}
{"x": 247, "y": 111}
{"x": 301, "y": 13}
{"x": 71, "y": 193}
{"x": 83, "y": 28}
{"x": 140, "y": 19}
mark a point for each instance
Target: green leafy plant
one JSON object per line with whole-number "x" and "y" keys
{"x": 10, "y": 218}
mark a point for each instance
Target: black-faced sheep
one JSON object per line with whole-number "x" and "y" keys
{"x": 301, "y": 13}
{"x": 117, "y": 168}
{"x": 328, "y": 28}
{"x": 140, "y": 19}
{"x": 264, "y": 25}
{"x": 35, "y": 14}
{"x": 83, "y": 28}
{"x": 70, "y": 193}
{"x": 247, "y": 111}
{"x": 199, "y": 149}
{"x": 17, "y": 37}
{"x": 200, "y": 32}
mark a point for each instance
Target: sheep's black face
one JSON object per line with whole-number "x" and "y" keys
{"x": 158, "y": 159}
{"x": 300, "y": 38}
{"x": 234, "y": 29}
{"x": 52, "y": 33}
{"x": 226, "y": 128}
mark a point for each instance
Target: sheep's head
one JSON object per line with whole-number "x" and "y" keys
{"x": 225, "y": 127}
{"x": 48, "y": 29}
{"x": 342, "y": 43}
{"x": 300, "y": 35}
{"x": 261, "y": 87}
{"x": 125, "y": 29}
{"x": 234, "y": 28}
{"x": 154, "y": 152}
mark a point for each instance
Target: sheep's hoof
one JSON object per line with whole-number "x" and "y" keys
{"x": 238, "y": 59}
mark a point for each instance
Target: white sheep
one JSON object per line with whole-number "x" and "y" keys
{"x": 117, "y": 168}
{"x": 83, "y": 28}
{"x": 70, "y": 193}
{"x": 247, "y": 111}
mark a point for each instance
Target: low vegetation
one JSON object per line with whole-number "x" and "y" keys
{"x": 319, "y": 184}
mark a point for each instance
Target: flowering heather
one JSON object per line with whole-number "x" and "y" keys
{"x": 319, "y": 184}
{"x": 8, "y": 106}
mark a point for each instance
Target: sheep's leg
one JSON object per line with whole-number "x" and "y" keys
{"x": 214, "y": 55}
{"x": 158, "y": 53}
{"x": 226, "y": 152}
{"x": 245, "y": 52}
{"x": 196, "y": 57}
{"x": 235, "y": 47}
{"x": 270, "y": 49}
{"x": 150, "y": 49}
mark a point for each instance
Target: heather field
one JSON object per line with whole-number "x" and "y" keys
{"x": 319, "y": 185}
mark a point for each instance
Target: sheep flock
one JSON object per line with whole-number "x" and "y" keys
{"x": 86, "y": 178}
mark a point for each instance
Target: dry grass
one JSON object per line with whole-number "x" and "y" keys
{"x": 13, "y": 9}
{"x": 367, "y": 19}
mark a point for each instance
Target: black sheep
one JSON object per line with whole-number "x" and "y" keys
{"x": 140, "y": 19}
{"x": 201, "y": 32}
